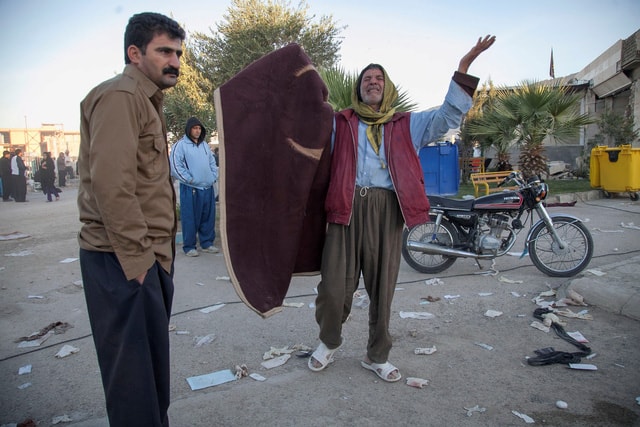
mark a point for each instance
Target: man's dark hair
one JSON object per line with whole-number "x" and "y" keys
{"x": 359, "y": 82}
{"x": 144, "y": 26}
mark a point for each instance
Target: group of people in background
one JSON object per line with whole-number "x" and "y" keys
{"x": 14, "y": 175}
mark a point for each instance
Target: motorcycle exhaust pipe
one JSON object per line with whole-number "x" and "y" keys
{"x": 431, "y": 249}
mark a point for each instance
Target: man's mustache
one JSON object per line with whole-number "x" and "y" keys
{"x": 171, "y": 70}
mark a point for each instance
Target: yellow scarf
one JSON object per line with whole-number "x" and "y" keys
{"x": 376, "y": 119}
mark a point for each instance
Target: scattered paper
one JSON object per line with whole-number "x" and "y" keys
{"x": 423, "y": 315}
{"x": 583, "y": 366}
{"x": 257, "y": 377}
{"x": 451, "y": 296}
{"x": 61, "y": 419}
{"x": 493, "y": 313}
{"x": 275, "y": 362}
{"x": 23, "y": 386}
{"x": 36, "y": 342}
{"x": 630, "y": 225}
{"x": 21, "y": 253}
{"x": 527, "y": 419}
{"x": 485, "y": 294}
{"x": 476, "y": 408}
{"x": 227, "y": 278}
{"x": 539, "y": 326}
{"x": 66, "y": 350}
{"x": 68, "y": 260}
{"x": 562, "y": 404}
{"x": 207, "y": 339}
{"x": 578, "y": 336}
{"x": 425, "y": 350}
{"x": 483, "y": 345}
{"x": 212, "y": 308}
{"x": 210, "y": 380}
{"x": 293, "y": 304}
{"x": 433, "y": 282}
{"x": 506, "y": 280}
{"x": 417, "y": 382}
{"x": 35, "y": 297}
{"x": 584, "y": 315}
{"x": 24, "y": 370}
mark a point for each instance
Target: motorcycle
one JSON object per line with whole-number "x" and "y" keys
{"x": 485, "y": 228}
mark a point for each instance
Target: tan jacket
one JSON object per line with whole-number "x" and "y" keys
{"x": 126, "y": 200}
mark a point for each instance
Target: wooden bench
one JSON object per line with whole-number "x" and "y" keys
{"x": 486, "y": 179}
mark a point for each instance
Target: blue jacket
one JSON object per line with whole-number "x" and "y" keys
{"x": 192, "y": 163}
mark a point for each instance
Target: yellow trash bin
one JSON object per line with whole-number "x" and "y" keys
{"x": 616, "y": 169}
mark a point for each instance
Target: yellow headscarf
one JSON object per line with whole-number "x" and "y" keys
{"x": 375, "y": 119}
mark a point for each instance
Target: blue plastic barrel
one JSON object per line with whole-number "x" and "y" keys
{"x": 441, "y": 169}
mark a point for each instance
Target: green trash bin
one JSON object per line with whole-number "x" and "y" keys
{"x": 616, "y": 170}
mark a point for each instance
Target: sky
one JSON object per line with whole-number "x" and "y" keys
{"x": 57, "y": 50}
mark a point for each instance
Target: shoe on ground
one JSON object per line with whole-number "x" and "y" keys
{"x": 211, "y": 250}
{"x": 192, "y": 252}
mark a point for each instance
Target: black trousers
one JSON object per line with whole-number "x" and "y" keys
{"x": 130, "y": 324}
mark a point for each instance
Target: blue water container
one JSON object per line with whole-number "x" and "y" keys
{"x": 441, "y": 169}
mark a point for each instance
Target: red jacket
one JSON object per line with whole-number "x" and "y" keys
{"x": 403, "y": 162}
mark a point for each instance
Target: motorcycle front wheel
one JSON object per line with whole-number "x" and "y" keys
{"x": 547, "y": 255}
{"x": 445, "y": 235}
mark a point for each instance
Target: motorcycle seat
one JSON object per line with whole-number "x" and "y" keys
{"x": 443, "y": 202}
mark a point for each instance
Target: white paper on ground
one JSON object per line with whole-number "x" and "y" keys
{"x": 209, "y": 380}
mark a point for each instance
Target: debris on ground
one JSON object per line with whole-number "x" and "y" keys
{"x": 209, "y": 380}
{"x": 205, "y": 340}
{"x": 257, "y": 377}
{"x": 24, "y": 370}
{"x": 417, "y": 382}
{"x": 68, "y": 260}
{"x": 241, "y": 371}
{"x": 433, "y": 282}
{"x": 21, "y": 253}
{"x": 527, "y": 419}
{"x": 276, "y": 361}
{"x": 422, "y": 315}
{"x": 425, "y": 350}
{"x": 583, "y": 366}
{"x": 61, "y": 419}
{"x": 212, "y": 308}
{"x": 504, "y": 279}
{"x": 562, "y": 404}
{"x": 66, "y": 350}
{"x": 476, "y": 408}
{"x": 483, "y": 345}
{"x": 37, "y": 338}
{"x": 493, "y": 313}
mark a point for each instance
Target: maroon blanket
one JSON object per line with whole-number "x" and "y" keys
{"x": 274, "y": 129}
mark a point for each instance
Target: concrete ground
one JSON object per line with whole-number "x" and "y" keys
{"x": 479, "y": 362}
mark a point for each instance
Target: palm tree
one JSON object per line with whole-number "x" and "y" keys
{"x": 340, "y": 84}
{"x": 529, "y": 114}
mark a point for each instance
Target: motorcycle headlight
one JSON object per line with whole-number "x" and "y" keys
{"x": 541, "y": 192}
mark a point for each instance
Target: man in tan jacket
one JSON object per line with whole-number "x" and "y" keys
{"x": 127, "y": 209}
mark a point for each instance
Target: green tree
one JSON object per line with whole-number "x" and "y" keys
{"x": 190, "y": 97}
{"x": 340, "y": 84}
{"x": 252, "y": 28}
{"x": 615, "y": 129}
{"x": 529, "y": 114}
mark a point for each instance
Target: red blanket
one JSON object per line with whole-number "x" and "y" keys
{"x": 274, "y": 129}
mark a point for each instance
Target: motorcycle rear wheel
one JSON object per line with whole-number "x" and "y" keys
{"x": 446, "y": 235}
{"x": 554, "y": 261}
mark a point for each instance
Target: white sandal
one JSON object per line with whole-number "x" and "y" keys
{"x": 323, "y": 355}
{"x": 383, "y": 370}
